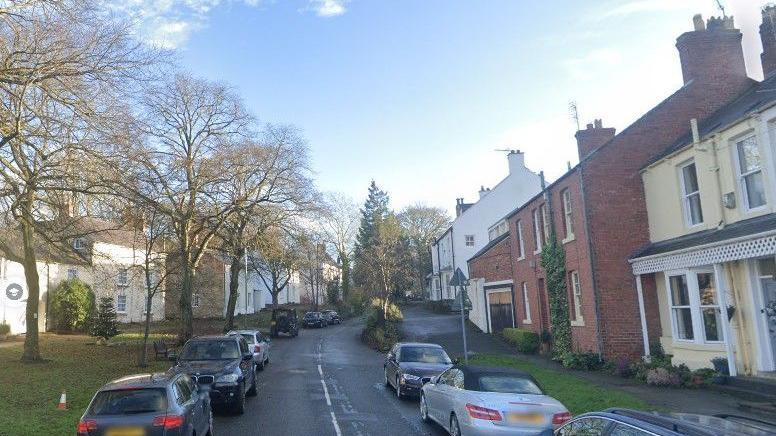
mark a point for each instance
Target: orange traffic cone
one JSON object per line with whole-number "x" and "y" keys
{"x": 62, "y": 401}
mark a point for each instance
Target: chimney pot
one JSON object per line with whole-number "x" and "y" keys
{"x": 594, "y": 136}
{"x": 698, "y": 23}
{"x": 712, "y": 54}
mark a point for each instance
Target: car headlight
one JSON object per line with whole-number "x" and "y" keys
{"x": 410, "y": 377}
{"x": 227, "y": 378}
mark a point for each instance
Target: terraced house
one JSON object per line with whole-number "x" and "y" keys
{"x": 599, "y": 212}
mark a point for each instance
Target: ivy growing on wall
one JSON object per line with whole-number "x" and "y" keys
{"x": 554, "y": 263}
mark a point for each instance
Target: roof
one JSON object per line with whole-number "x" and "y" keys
{"x": 210, "y": 337}
{"x": 689, "y": 423}
{"x": 489, "y": 245}
{"x": 751, "y": 226}
{"x": 757, "y": 98}
{"x": 436, "y": 241}
{"x": 140, "y": 381}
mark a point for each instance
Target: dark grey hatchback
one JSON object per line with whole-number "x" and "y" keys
{"x": 162, "y": 404}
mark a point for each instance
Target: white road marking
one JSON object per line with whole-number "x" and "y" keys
{"x": 336, "y": 425}
{"x": 328, "y": 400}
{"x": 326, "y": 393}
{"x": 320, "y": 371}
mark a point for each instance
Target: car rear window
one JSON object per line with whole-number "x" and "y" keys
{"x": 211, "y": 350}
{"x": 508, "y": 385}
{"x": 248, "y": 338}
{"x": 129, "y": 402}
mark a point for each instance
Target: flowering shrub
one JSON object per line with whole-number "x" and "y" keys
{"x": 663, "y": 377}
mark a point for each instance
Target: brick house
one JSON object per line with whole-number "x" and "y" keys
{"x": 598, "y": 209}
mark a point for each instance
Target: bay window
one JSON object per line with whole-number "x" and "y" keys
{"x": 695, "y": 312}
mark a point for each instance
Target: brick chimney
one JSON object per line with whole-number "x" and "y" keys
{"x": 594, "y": 136}
{"x": 712, "y": 53}
{"x": 768, "y": 38}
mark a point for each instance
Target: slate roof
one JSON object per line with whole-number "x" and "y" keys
{"x": 758, "y": 97}
{"x": 751, "y": 226}
{"x": 490, "y": 245}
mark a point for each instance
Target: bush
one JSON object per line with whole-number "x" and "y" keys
{"x": 623, "y": 368}
{"x": 105, "y": 324}
{"x": 661, "y": 372}
{"x": 5, "y": 329}
{"x": 662, "y": 377}
{"x": 382, "y": 330}
{"x": 588, "y": 361}
{"x": 525, "y": 341}
{"x": 72, "y": 306}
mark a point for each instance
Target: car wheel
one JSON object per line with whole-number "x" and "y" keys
{"x": 399, "y": 394}
{"x": 253, "y": 391}
{"x": 239, "y": 403}
{"x": 423, "y": 408}
{"x": 455, "y": 429}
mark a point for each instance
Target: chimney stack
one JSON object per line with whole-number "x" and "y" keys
{"x": 768, "y": 38}
{"x": 516, "y": 160}
{"x": 594, "y": 136}
{"x": 712, "y": 52}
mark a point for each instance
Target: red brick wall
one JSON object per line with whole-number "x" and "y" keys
{"x": 493, "y": 265}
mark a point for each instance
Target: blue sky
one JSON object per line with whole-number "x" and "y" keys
{"x": 418, "y": 94}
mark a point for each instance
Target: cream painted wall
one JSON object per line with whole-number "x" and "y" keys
{"x": 662, "y": 180}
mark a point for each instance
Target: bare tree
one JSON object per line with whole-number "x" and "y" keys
{"x": 421, "y": 225}
{"x": 312, "y": 265}
{"x": 339, "y": 223}
{"x": 385, "y": 259}
{"x": 63, "y": 72}
{"x": 191, "y": 125}
{"x": 275, "y": 261}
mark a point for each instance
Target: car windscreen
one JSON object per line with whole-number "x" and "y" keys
{"x": 508, "y": 384}
{"x": 423, "y": 355}
{"x": 248, "y": 338}
{"x": 312, "y": 315}
{"x": 129, "y": 402}
{"x": 210, "y": 350}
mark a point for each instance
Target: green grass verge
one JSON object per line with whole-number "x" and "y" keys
{"x": 578, "y": 395}
{"x": 29, "y": 393}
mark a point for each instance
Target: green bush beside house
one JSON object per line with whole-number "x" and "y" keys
{"x": 525, "y": 341}
{"x": 72, "y": 306}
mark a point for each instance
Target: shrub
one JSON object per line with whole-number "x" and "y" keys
{"x": 587, "y": 361}
{"x": 721, "y": 365}
{"x": 105, "y": 324}
{"x": 72, "y": 306}
{"x": 5, "y": 329}
{"x": 703, "y": 376}
{"x": 623, "y": 368}
{"x": 382, "y": 330}
{"x": 662, "y": 377}
{"x": 525, "y": 341}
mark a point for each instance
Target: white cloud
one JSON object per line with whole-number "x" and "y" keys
{"x": 631, "y": 7}
{"x": 328, "y": 8}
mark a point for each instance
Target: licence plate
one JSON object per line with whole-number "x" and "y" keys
{"x": 525, "y": 418}
{"x": 126, "y": 431}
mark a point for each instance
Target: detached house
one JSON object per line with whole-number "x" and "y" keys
{"x": 599, "y": 213}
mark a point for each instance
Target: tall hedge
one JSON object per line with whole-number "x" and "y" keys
{"x": 72, "y": 306}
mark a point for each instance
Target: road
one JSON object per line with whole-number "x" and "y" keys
{"x": 325, "y": 382}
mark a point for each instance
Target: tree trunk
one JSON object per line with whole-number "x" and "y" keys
{"x": 345, "y": 276}
{"x": 234, "y": 284}
{"x": 146, "y": 332}
{"x": 31, "y": 346}
{"x": 187, "y": 327}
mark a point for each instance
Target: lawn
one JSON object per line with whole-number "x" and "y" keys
{"x": 578, "y": 395}
{"x": 29, "y": 393}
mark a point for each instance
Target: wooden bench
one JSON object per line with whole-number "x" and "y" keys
{"x": 161, "y": 349}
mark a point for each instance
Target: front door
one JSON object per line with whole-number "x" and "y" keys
{"x": 501, "y": 312}
{"x": 767, "y": 273}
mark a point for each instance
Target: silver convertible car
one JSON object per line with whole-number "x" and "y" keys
{"x": 478, "y": 401}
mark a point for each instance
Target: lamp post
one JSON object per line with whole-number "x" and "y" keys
{"x": 460, "y": 282}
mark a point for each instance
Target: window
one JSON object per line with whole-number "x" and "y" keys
{"x": 520, "y": 244}
{"x": 545, "y": 224}
{"x": 526, "y": 304}
{"x": 691, "y": 196}
{"x": 537, "y": 231}
{"x": 695, "y": 307}
{"x": 568, "y": 223}
{"x": 72, "y": 273}
{"x": 195, "y": 299}
{"x": 750, "y": 172}
{"x": 585, "y": 426}
{"x": 576, "y": 295}
{"x": 123, "y": 279}
{"x": 469, "y": 240}
{"x": 498, "y": 230}
{"x": 121, "y": 303}
{"x": 79, "y": 243}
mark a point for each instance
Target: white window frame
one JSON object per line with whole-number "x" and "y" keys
{"x": 741, "y": 182}
{"x": 537, "y": 230}
{"x": 118, "y": 303}
{"x": 567, "y": 215}
{"x": 123, "y": 277}
{"x": 72, "y": 273}
{"x": 520, "y": 243}
{"x": 467, "y": 238}
{"x": 686, "y": 196}
{"x": 545, "y": 223}
{"x": 145, "y": 304}
{"x": 696, "y": 309}
{"x": 526, "y": 304}
{"x": 576, "y": 295}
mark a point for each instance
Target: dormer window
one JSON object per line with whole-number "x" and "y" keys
{"x": 79, "y": 244}
{"x": 691, "y": 195}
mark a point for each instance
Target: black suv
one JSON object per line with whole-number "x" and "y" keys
{"x": 225, "y": 364}
{"x": 313, "y": 319}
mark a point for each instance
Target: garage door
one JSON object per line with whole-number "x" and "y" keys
{"x": 500, "y": 309}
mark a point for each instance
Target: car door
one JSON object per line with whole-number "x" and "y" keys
{"x": 585, "y": 426}
{"x": 200, "y": 403}
{"x": 186, "y": 401}
{"x": 246, "y": 366}
{"x": 391, "y": 364}
{"x": 451, "y": 386}
{"x": 434, "y": 393}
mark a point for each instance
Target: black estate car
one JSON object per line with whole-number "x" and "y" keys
{"x": 313, "y": 319}
{"x": 162, "y": 404}
{"x": 224, "y": 364}
{"x": 411, "y": 364}
{"x": 332, "y": 317}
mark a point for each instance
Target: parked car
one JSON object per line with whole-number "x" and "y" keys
{"x": 284, "y": 321}
{"x": 482, "y": 400}
{"x": 258, "y": 343}
{"x": 162, "y": 404}
{"x": 410, "y": 364}
{"x": 332, "y": 317}
{"x": 313, "y": 319}
{"x": 627, "y": 422}
{"x": 224, "y": 364}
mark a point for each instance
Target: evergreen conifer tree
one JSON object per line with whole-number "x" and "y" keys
{"x": 105, "y": 323}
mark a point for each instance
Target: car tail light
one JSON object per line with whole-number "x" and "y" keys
{"x": 257, "y": 349}
{"x": 561, "y": 418}
{"x": 168, "y": 421}
{"x": 478, "y": 412}
{"x": 84, "y": 426}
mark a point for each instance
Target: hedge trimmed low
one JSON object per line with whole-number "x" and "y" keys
{"x": 525, "y": 341}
